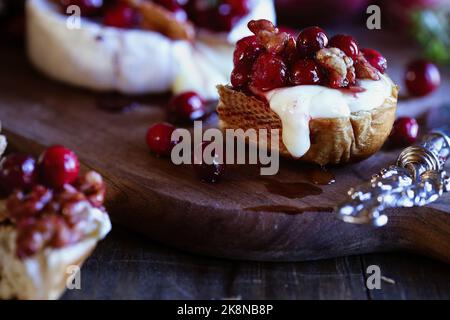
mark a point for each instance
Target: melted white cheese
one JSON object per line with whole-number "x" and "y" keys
{"x": 296, "y": 106}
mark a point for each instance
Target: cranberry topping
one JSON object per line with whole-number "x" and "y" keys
{"x": 22, "y": 205}
{"x": 346, "y": 43}
{"x": 208, "y": 167}
{"x": 221, "y": 15}
{"x": 305, "y": 71}
{"x": 247, "y": 49}
{"x": 121, "y": 16}
{"x": 269, "y": 72}
{"x": 87, "y": 7}
{"x": 311, "y": 40}
{"x": 175, "y": 7}
{"x": 273, "y": 58}
{"x": 375, "y": 59}
{"x": 240, "y": 76}
{"x": 186, "y": 107}
{"x": 54, "y": 218}
{"x": 422, "y": 77}
{"x": 404, "y": 132}
{"x": 48, "y": 230}
{"x": 159, "y": 138}
{"x": 239, "y": 7}
{"x": 17, "y": 171}
{"x": 58, "y": 166}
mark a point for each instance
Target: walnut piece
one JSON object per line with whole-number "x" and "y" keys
{"x": 269, "y": 36}
{"x": 339, "y": 67}
{"x": 364, "y": 70}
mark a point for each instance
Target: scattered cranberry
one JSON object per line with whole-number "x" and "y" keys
{"x": 87, "y": 7}
{"x": 311, "y": 40}
{"x": 186, "y": 107}
{"x": 375, "y": 59}
{"x": 58, "y": 166}
{"x": 404, "y": 131}
{"x": 159, "y": 138}
{"x": 209, "y": 168}
{"x": 121, "y": 16}
{"x": 306, "y": 71}
{"x": 17, "y": 171}
{"x": 269, "y": 72}
{"x": 422, "y": 77}
{"x": 247, "y": 49}
{"x": 346, "y": 43}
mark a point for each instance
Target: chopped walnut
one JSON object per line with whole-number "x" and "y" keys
{"x": 269, "y": 36}
{"x": 158, "y": 18}
{"x": 341, "y": 71}
{"x": 93, "y": 187}
{"x": 364, "y": 70}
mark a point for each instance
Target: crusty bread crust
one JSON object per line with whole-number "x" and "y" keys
{"x": 333, "y": 140}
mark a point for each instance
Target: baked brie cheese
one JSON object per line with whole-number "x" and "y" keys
{"x": 158, "y": 54}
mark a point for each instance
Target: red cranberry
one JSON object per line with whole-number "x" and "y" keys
{"x": 247, "y": 49}
{"x": 346, "y": 43}
{"x": 58, "y": 166}
{"x": 159, "y": 138}
{"x": 209, "y": 168}
{"x": 240, "y": 75}
{"x": 404, "y": 131}
{"x": 311, "y": 40}
{"x": 17, "y": 171}
{"x": 225, "y": 17}
{"x": 87, "y": 7}
{"x": 422, "y": 77}
{"x": 269, "y": 72}
{"x": 375, "y": 59}
{"x": 239, "y": 7}
{"x": 306, "y": 71}
{"x": 121, "y": 16}
{"x": 186, "y": 107}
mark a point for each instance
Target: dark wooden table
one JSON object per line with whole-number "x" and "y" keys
{"x": 126, "y": 266}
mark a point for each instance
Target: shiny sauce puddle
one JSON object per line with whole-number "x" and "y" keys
{"x": 297, "y": 190}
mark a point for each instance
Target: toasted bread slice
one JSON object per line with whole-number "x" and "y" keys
{"x": 44, "y": 275}
{"x": 333, "y": 140}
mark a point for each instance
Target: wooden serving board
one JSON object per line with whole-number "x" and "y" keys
{"x": 169, "y": 204}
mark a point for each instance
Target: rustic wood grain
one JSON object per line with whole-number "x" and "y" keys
{"x": 168, "y": 204}
{"x": 127, "y": 266}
